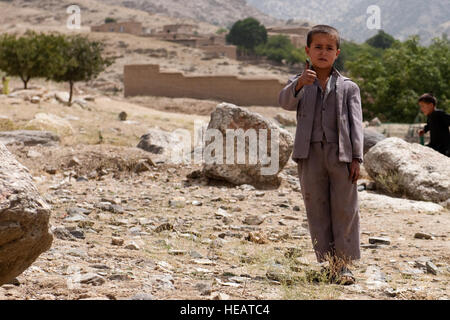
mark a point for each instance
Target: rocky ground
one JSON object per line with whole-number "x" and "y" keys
{"x": 168, "y": 233}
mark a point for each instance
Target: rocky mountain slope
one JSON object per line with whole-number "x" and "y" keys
{"x": 220, "y": 13}
{"x": 400, "y": 18}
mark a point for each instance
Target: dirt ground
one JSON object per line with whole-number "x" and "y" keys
{"x": 170, "y": 235}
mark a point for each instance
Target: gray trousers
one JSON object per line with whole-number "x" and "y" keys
{"x": 331, "y": 202}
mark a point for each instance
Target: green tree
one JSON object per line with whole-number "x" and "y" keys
{"x": 82, "y": 61}
{"x": 350, "y": 51}
{"x": 21, "y": 56}
{"x": 381, "y": 40}
{"x": 110, "y": 20}
{"x": 279, "y": 48}
{"x": 247, "y": 34}
{"x": 390, "y": 85}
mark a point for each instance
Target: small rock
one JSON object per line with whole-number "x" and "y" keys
{"x": 222, "y": 213}
{"x": 92, "y": 278}
{"x": 33, "y": 154}
{"x": 50, "y": 170}
{"x": 178, "y": 202}
{"x": 132, "y": 246}
{"x": 62, "y": 233}
{"x": 77, "y": 233}
{"x": 431, "y": 268}
{"x": 117, "y": 241}
{"x": 35, "y": 99}
{"x": 177, "y": 252}
{"x": 77, "y": 211}
{"x": 142, "y": 296}
{"x": 119, "y": 277}
{"x": 219, "y": 296}
{"x": 247, "y": 187}
{"x": 123, "y": 116}
{"x": 74, "y": 162}
{"x": 375, "y": 240}
{"x": 195, "y": 255}
{"x": 254, "y": 220}
{"x": 206, "y": 262}
{"x": 296, "y": 208}
{"x": 197, "y": 203}
{"x": 421, "y": 235}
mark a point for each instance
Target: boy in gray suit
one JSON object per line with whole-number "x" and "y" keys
{"x": 328, "y": 149}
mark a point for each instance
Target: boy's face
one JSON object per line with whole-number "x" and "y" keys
{"x": 426, "y": 108}
{"x": 323, "y": 50}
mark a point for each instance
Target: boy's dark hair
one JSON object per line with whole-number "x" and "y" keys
{"x": 428, "y": 98}
{"x": 322, "y": 28}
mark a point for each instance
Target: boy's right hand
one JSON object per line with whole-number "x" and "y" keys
{"x": 421, "y": 132}
{"x": 307, "y": 78}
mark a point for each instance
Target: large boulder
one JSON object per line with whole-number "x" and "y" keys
{"x": 29, "y": 138}
{"x": 261, "y": 172}
{"x": 50, "y": 122}
{"x": 371, "y": 138}
{"x": 174, "y": 146}
{"x": 409, "y": 169}
{"x": 24, "y": 219}
{"x": 286, "y": 119}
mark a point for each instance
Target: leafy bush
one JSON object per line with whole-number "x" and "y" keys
{"x": 279, "y": 48}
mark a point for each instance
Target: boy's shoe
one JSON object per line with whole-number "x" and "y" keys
{"x": 346, "y": 277}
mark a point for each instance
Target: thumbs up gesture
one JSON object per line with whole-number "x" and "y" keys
{"x": 307, "y": 78}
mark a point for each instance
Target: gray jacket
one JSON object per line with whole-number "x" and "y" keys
{"x": 349, "y": 117}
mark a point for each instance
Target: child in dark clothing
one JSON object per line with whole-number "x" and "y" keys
{"x": 438, "y": 122}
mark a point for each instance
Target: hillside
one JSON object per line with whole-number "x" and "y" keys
{"x": 220, "y": 13}
{"x": 400, "y": 18}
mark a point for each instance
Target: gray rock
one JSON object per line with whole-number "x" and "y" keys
{"x": 170, "y": 145}
{"x": 77, "y": 211}
{"x": 431, "y": 268}
{"x": 376, "y": 240}
{"x": 375, "y": 122}
{"x": 227, "y": 116}
{"x": 142, "y": 296}
{"x": 413, "y": 170}
{"x": 92, "y": 279}
{"x": 254, "y": 220}
{"x": 24, "y": 219}
{"x": 29, "y": 138}
{"x": 77, "y": 233}
{"x": 371, "y": 138}
{"x": 62, "y": 233}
